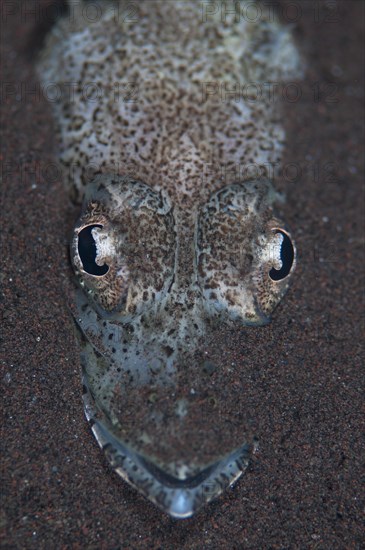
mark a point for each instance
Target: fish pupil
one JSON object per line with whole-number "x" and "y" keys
{"x": 287, "y": 259}
{"x": 87, "y": 252}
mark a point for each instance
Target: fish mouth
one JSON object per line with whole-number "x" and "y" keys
{"x": 178, "y": 496}
{"x": 176, "y": 470}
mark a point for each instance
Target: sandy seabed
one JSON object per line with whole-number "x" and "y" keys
{"x": 302, "y": 489}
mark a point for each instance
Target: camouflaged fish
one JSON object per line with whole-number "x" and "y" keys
{"x": 165, "y": 139}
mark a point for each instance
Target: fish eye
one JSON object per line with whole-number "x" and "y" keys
{"x": 87, "y": 252}
{"x": 286, "y": 257}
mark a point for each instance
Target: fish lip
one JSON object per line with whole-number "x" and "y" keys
{"x": 180, "y": 498}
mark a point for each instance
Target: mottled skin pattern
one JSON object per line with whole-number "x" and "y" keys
{"x": 154, "y": 155}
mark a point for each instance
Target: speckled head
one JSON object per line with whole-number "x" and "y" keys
{"x": 172, "y": 249}
{"x": 128, "y": 250}
{"x": 145, "y": 325}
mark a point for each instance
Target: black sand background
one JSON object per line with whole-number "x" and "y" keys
{"x": 303, "y": 488}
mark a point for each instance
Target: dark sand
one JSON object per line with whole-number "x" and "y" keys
{"x": 302, "y": 490}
